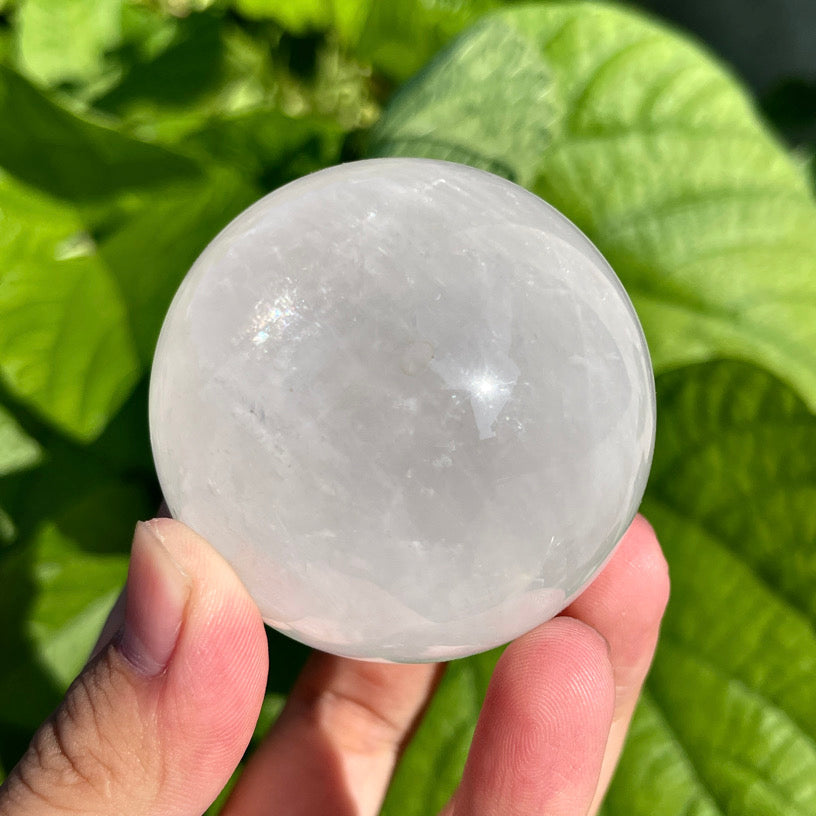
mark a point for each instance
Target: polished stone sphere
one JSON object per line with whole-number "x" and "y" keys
{"x": 409, "y": 402}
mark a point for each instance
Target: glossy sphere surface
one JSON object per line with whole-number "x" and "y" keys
{"x": 409, "y": 402}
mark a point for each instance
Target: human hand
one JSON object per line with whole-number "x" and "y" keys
{"x": 163, "y": 712}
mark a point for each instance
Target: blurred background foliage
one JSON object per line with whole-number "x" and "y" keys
{"x": 131, "y": 132}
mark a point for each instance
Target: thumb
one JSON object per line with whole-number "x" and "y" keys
{"x": 158, "y": 720}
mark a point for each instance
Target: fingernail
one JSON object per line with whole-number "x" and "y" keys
{"x": 157, "y": 593}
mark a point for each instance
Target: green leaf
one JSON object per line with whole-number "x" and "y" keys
{"x": 196, "y": 72}
{"x": 655, "y": 774}
{"x": 59, "y": 579}
{"x": 17, "y": 449}
{"x": 271, "y": 708}
{"x": 269, "y": 145}
{"x": 184, "y": 68}
{"x": 140, "y": 212}
{"x": 400, "y": 36}
{"x": 728, "y": 723}
{"x": 751, "y": 439}
{"x": 65, "y": 347}
{"x": 225, "y": 80}
{"x": 61, "y": 41}
{"x": 73, "y": 594}
{"x": 123, "y": 448}
{"x": 656, "y": 153}
{"x": 304, "y": 17}
{"x": 58, "y": 587}
{"x": 70, "y": 157}
{"x": 64, "y": 643}
{"x": 460, "y": 111}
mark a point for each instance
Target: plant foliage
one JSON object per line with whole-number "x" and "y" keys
{"x": 125, "y": 150}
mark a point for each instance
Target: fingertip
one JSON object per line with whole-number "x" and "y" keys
{"x": 627, "y": 599}
{"x": 641, "y": 548}
{"x": 221, "y": 602}
{"x": 564, "y": 663}
{"x": 549, "y": 705}
{"x": 563, "y": 642}
{"x": 641, "y": 527}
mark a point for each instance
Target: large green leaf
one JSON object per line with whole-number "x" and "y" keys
{"x": 86, "y": 275}
{"x": 728, "y": 724}
{"x": 7, "y": 528}
{"x": 74, "y": 158}
{"x": 65, "y": 346}
{"x": 460, "y": 110}
{"x": 656, "y": 153}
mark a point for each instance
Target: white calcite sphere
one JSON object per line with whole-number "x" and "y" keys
{"x": 409, "y": 402}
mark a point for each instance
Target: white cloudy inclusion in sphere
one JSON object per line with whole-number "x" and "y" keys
{"x": 409, "y": 402}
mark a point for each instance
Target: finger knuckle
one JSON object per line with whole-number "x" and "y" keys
{"x": 82, "y": 753}
{"x": 72, "y": 746}
{"x": 362, "y": 727}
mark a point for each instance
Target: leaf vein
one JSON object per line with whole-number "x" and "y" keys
{"x": 581, "y": 99}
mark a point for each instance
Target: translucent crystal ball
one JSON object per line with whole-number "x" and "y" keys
{"x": 409, "y": 402}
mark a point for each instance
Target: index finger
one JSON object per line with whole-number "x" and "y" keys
{"x": 625, "y": 604}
